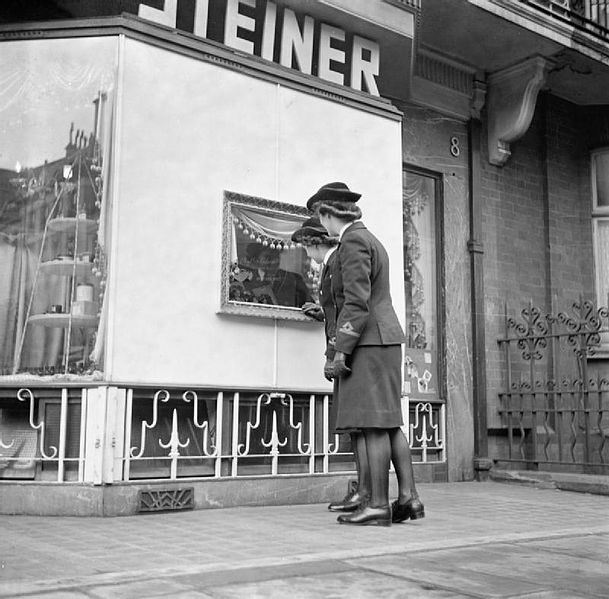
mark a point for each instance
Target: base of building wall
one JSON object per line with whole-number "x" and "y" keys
{"x": 124, "y": 499}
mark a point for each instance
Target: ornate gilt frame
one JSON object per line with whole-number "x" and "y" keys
{"x": 242, "y": 308}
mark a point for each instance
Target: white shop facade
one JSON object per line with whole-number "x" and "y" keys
{"x": 154, "y": 164}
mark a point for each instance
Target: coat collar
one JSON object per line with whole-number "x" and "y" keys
{"x": 356, "y": 224}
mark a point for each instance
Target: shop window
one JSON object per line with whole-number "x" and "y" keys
{"x": 263, "y": 272}
{"x": 420, "y": 234}
{"x": 600, "y": 223}
{"x": 55, "y": 124}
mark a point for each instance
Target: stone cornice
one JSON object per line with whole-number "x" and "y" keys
{"x": 446, "y": 85}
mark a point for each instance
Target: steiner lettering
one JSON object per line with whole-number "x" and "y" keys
{"x": 304, "y": 44}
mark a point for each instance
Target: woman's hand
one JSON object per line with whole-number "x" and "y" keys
{"x": 339, "y": 365}
{"x": 313, "y": 310}
{"x": 329, "y": 370}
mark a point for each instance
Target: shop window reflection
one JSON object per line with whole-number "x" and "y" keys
{"x": 56, "y": 129}
{"x": 264, "y": 272}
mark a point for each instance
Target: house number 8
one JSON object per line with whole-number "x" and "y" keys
{"x": 455, "y": 150}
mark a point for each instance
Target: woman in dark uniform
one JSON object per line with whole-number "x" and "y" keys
{"x": 368, "y": 356}
{"x": 321, "y": 248}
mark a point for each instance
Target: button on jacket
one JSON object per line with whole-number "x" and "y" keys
{"x": 360, "y": 287}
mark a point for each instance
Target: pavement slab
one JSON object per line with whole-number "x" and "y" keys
{"x": 334, "y": 586}
{"x": 425, "y": 569}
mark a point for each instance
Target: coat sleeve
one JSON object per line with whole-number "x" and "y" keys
{"x": 329, "y": 307}
{"x": 330, "y": 349}
{"x": 330, "y": 333}
{"x": 356, "y": 268}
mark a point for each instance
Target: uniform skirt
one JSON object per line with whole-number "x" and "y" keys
{"x": 369, "y": 397}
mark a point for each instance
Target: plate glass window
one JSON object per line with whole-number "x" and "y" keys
{"x": 264, "y": 272}
{"x": 56, "y": 129}
{"x": 600, "y": 223}
{"x": 420, "y": 273}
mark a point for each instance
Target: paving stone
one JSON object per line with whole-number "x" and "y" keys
{"x": 61, "y": 595}
{"x": 258, "y": 574}
{"x": 342, "y": 585}
{"x": 588, "y": 546}
{"x": 137, "y": 590}
{"x": 554, "y": 594}
{"x": 428, "y": 570}
{"x": 549, "y": 570}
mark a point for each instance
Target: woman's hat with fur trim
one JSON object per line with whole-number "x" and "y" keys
{"x": 312, "y": 232}
{"x": 333, "y": 192}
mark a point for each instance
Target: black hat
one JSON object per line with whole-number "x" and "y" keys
{"x": 335, "y": 192}
{"x": 312, "y": 232}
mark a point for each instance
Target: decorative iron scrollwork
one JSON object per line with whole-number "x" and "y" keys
{"x": 212, "y": 450}
{"x": 532, "y": 332}
{"x": 27, "y": 395}
{"x": 555, "y": 411}
{"x": 163, "y": 395}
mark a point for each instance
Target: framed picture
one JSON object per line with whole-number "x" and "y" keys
{"x": 264, "y": 273}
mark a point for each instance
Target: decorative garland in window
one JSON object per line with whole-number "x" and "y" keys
{"x": 266, "y": 230}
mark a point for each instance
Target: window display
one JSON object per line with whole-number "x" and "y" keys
{"x": 264, "y": 272}
{"x": 55, "y": 122}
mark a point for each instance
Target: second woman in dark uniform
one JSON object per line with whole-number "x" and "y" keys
{"x": 321, "y": 247}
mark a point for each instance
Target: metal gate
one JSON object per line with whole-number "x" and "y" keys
{"x": 555, "y": 403}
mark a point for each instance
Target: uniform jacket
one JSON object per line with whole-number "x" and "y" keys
{"x": 326, "y": 301}
{"x": 360, "y": 287}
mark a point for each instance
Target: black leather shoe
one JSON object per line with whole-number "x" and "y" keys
{"x": 413, "y": 509}
{"x": 368, "y": 516}
{"x": 349, "y": 504}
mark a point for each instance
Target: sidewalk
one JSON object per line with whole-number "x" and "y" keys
{"x": 478, "y": 540}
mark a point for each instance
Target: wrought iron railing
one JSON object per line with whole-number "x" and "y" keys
{"x": 555, "y": 405}
{"x": 111, "y": 434}
{"x": 591, "y": 16}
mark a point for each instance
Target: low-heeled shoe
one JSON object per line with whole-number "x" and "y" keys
{"x": 413, "y": 509}
{"x": 349, "y": 504}
{"x": 368, "y": 516}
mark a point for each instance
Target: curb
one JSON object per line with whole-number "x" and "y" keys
{"x": 595, "y": 484}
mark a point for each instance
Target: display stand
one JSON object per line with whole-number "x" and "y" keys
{"x": 67, "y": 252}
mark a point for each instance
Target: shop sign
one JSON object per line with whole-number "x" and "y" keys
{"x": 265, "y": 29}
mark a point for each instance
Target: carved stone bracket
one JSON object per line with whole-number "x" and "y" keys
{"x": 478, "y": 98}
{"x": 512, "y": 93}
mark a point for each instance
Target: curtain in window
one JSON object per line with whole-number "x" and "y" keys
{"x": 266, "y": 266}
{"x": 602, "y": 260}
{"x": 419, "y": 260}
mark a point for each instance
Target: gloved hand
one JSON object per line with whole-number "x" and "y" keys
{"x": 329, "y": 370}
{"x": 339, "y": 366}
{"x": 313, "y": 310}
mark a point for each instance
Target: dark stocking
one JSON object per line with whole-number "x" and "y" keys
{"x": 402, "y": 463}
{"x": 378, "y": 449}
{"x": 358, "y": 443}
